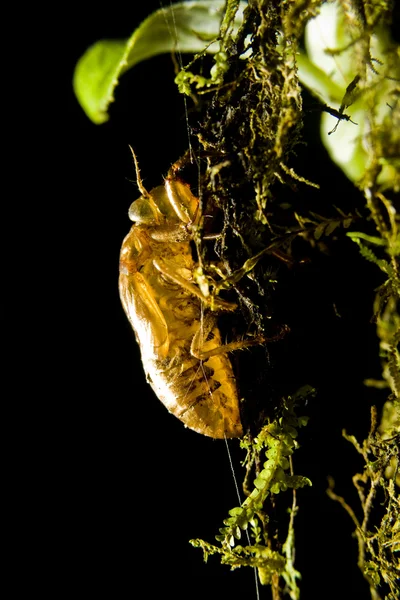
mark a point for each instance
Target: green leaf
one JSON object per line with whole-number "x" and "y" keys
{"x": 276, "y": 488}
{"x": 330, "y": 228}
{"x": 279, "y": 474}
{"x": 259, "y": 483}
{"x": 297, "y": 481}
{"x": 184, "y": 27}
{"x": 96, "y": 75}
{"x": 291, "y": 431}
{"x": 237, "y": 511}
{"x": 319, "y": 231}
{"x": 318, "y": 81}
{"x": 359, "y": 235}
{"x": 328, "y": 68}
{"x": 284, "y": 463}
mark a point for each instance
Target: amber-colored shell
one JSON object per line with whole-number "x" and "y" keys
{"x": 163, "y": 304}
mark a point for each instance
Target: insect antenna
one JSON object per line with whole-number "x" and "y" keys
{"x": 139, "y": 180}
{"x": 142, "y": 189}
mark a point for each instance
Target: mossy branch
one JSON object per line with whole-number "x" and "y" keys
{"x": 378, "y": 532}
{"x": 277, "y": 441}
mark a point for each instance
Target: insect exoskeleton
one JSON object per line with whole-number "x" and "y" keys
{"x": 179, "y": 339}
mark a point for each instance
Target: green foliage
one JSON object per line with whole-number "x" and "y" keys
{"x": 317, "y": 226}
{"x": 350, "y": 61}
{"x": 338, "y": 68}
{"x": 368, "y": 253}
{"x": 388, "y": 295}
{"x": 268, "y": 562}
{"x": 185, "y": 79}
{"x": 185, "y": 26}
{"x": 378, "y": 532}
{"x": 277, "y": 442}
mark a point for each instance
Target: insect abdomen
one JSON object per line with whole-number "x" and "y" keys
{"x": 203, "y": 395}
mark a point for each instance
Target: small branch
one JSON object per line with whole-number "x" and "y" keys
{"x": 342, "y": 501}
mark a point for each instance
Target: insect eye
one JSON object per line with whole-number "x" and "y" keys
{"x": 141, "y": 211}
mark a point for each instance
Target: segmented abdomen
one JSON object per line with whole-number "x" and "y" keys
{"x": 202, "y": 394}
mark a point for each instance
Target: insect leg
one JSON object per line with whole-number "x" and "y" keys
{"x": 234, "y": 277}
{"x": 200, "y": 338}
{"x": 168, "y": 271}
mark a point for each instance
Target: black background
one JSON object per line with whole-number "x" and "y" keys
{"x": 116, "y": 485}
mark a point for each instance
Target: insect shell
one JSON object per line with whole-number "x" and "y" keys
{"x": 181, "y": 351}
